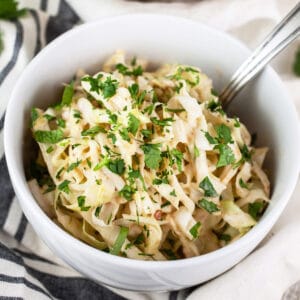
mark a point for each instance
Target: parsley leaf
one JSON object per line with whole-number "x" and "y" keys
{"x": 109, "y": 87}
{"x": 113, "y": 137}
{"x": 173, "y": 193}
{"x": 133, "y": 124}
{"x": 254, "y": 209}
{"x": 93, "y": 131}
{"x": 81, "y": 202}
{"x": 226, "y": 155}
{"x": 117, "y": 166}
{"x": 9, "y": 10}
{"x": 49, "y": 137}
{"x": 133, "y": 90}
{"x": 146, "y": 133}
{"x": 61, "y": 123}
{"x": 237, "y": 122}
{"x": 125, "y": 70}
{"x": 158, "y": 181}
{"x": 210, "y": 139}
{"x": 64, "y": 186}
{"x": 125, "y": 134}
{"x": 194, "y": 231}
{"x": 215, "y": 106}
{"x": 134, "y": 174}
{"x": 49, "y": 149}
{"x": 101, "y": 164}
{"x": 246, "y": 153}
{"x": 209, "y": 206}
{"x": 119, "y": 241}
{"x": 152, "y": 155}
{"x": 208, "y": 188}
{"x": 224, "y": 237}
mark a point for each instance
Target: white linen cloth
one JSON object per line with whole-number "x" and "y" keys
{"x": 270, "y": 272}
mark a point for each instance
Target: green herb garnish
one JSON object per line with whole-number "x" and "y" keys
{"x": 9, "y": 10}
{"x": 226, "y": 156}
{"x": 194, "y": 231}
{"x": 133, "y": 124}
{"x": 254, "y": 209}
{"x": 152, "y": 155}
{"x": 81, "y": 202}
{"x": 67, "y": 94}
{"x": 117, "y": 166}
{"x": 127, "y": 191}
{"x": 119, "y": 241}
{"x": 74, "y": 165}
{"x": 93, "y": 131}
{"x": 64, "y": 186}
{"x": 49, "y": 136}
{"x": 296, "y": 65}
{"x": 162, "y": 122}
{"x": 209, "y": 206}
{"x": 243, "y": 184}
{"x": 208, "y": 188}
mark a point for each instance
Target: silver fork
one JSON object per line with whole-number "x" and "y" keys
{"x": 281, "y": 36}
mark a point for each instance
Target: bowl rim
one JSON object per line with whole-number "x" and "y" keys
{"x": 22, "y": 189}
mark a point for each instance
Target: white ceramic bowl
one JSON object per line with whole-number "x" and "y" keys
{"x": 264, "y": 106}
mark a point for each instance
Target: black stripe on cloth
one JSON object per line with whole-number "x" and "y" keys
{"x": 7, "y": 191}
{"x": 21, "y": 229}
{"x": 43, "y": 5}
{"x": 17, "y": 46}
{"x": 2, "y": 121}
{"x": 36, "y": 19}
{"x": 63, "y": 21}
{"x": 62, "y": 287}
{"x": 10, "y": 298}
{"x": 33, "y": 256}
{"x": 23, "y": 280}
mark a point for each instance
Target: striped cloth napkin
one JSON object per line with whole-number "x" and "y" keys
{"x": 28, "y": 269}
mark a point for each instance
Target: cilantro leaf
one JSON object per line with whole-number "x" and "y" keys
{"x": 9, "y": 10}
{"x": 133, "y": 124}
{"x": 64, "y": 186}
{"x": 127, "y": 191}
{"x": 296, "y": 65}
{"x": 81, "y": 202}
{"x": 109, "y": 87}
{"x": 177, "y": 158}
{"x": 34, "y": 116}
{"x": 226, "y": 155}
{"x": 146, "y": 133}
{"x": 113, "y": 137}
{"x": 49, "y": 137}
{"x": 208, "y": 188}
{"x": 194, "y": 231}
{"x": 152, "y": 155}
{"x": 162, "y": 122}
{"x": 93, "y": 131}
{"x": 209, "y": 206}
{"x": 224, "y": 237}
{"x": 243, "y": 184}
{"x": 215, "y": 106}
{"x": 125, "y": 70}
{"x": 245, "y": 153}
{"x": 224, "y": 134}
{"x": 68, "y": 94}
{"x": 254, "y": 209}
{"x": 61, "y": 123}
{"x": 101, "y": 164}
{"x": 133, "y": 90}
{"x": 117, "y": 166}
{"x": 237, "y": 122}
{"x": 173, "y": 193}
{"x": 210, "y": 139}
{"x": 115, "y": 250}
{"x": 136, "y": 174}
{"x": 124, "y": 134}
{"x": 74, "y": 165}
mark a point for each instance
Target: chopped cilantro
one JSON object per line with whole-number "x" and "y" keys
{"x": 61, "y": 123}
{"x": 34, "y": 116}
{"x": 177, "y": 157}
{"x": 237, "y": 122}
{"x": 194, "y": 231}
{"x": 245, "y": 153}
{"x": 136, "y": 174}
{"x": 226, "y": 156}
{"x": 210, "y": 139}
{"x": 49, "y": 117}
{"x": 171, "y": 255}
{"x": 124, "y": 134}
{"x": 254, "y": 209}
{"x": 125, "y": 70}
{"x": 97, "y": 211}
{"x": 224, "y": 237}
{"x": 74, "y": 165}
{"x": 81, "y": 202}
{"x": 113, "y": 118}
{"x": 67, "y": 94}
{"x": 49, "y": 137}
{"x": 76, "y": 114}
{"x": 158, "y": 181}
{"x": 167, "y": 203}
{"x": 209, "y": 206}
{"x": 117, "y": 166}
{"x": 152, "y": 155}
{"x": 174, "y": 110}
{"x": 133, "y": 124}
{"x": 243, "y": 184}
{"x": 133, "y": 90}
{"x": 101, "y": 164}
{"x": 113, "y": 137}
{"x": 163, "y": 122}
{"x": 49, "y": 149}
{"x": 146, "y": 133}
{"x": 93, "y": 131}
{"x": 139, "y": 239}
{"x": 149, "y": 109}
{"x": 173, "y": 193}
{"x": 224, "y": 134}
{"x": 119, "y": 241}
{"x": 127, "y": 191}
{"x": 208, "y": 188}
{"x": 57, "y": 176}
{"x": 64, "y": 186}
{"x": 215, "y": 106}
